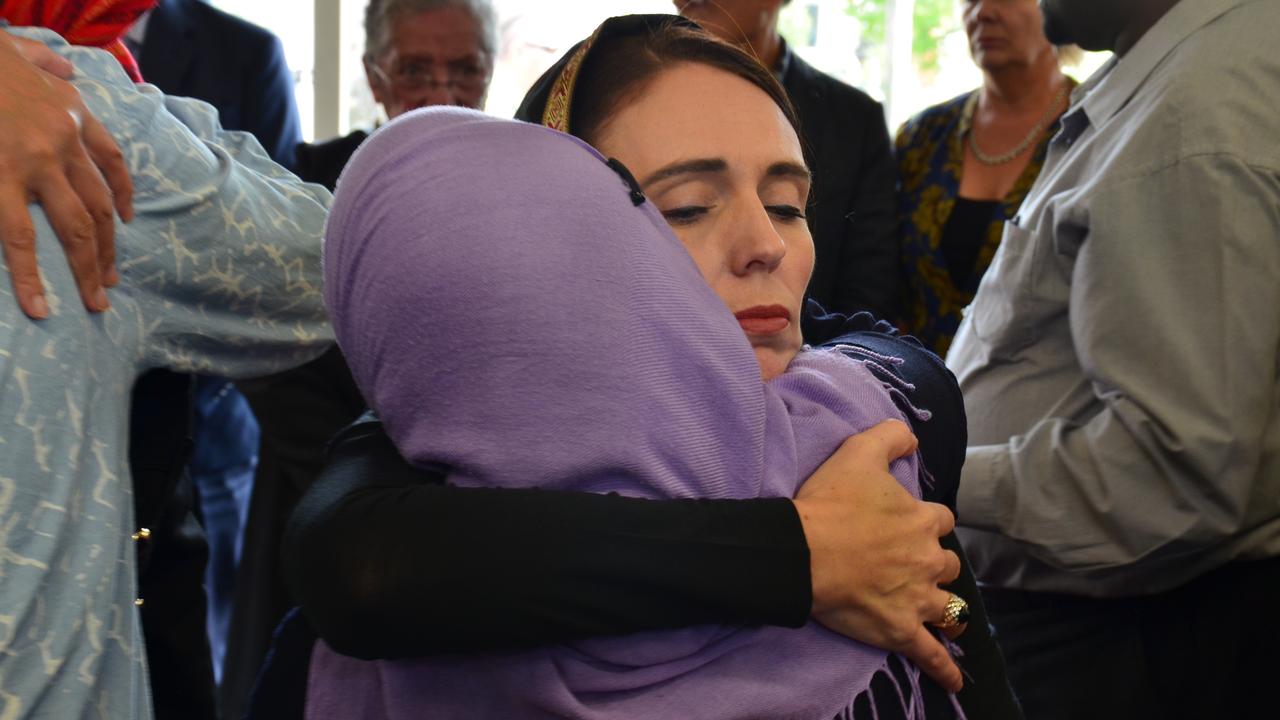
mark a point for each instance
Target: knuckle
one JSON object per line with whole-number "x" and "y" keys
{"x": 100, "y": 211}
{"x": 111, "y": 154}
{"x": 899, "y": 636}
{"x": 66, "y": 93}
{"x": 63, "y": 125}
{"x": 41, "y": 154}
{"x": 81, "y": 232}
{"x": 21, "y": 240}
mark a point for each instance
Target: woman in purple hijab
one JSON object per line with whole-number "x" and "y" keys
{"x": 757, "y": 268}
{"x": 510, "y": 280}
{"x": 506, "y": 277}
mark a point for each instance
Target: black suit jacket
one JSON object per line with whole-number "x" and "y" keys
{"x": 195, "y": 50}
{"x": 852, "y": 212}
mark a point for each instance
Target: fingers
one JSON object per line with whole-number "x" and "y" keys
{"x": 106, "y": 155}
{"x": 50, "y": 153}
{"x": 88, "y": 183}
{"x": 951, "y": 570}
{"x": 893, "y": 437}
{"x": 944, "y": 519}
{"x": 927, "y": 652}
{"x": 955, "y": 632}
{"x": 76, "y": 230}
{"x": 20, "y": 252}
{"x": 40, "y": 55}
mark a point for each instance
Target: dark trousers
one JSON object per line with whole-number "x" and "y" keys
{"x": 171, "y": 561}
{"x": 1206, "y": 650}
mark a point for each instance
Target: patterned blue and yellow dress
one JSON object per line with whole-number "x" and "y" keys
{"x": 930, "y": 149}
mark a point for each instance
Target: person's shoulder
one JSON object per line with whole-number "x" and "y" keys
{"x": 932, "y": 121}
{"x": 322, "y": 162}
{"x": 947, "y": 110}
{"x": 1218, "y": 87}
{"x": 92, "y": 64}
{"x": 215, "y": 21}
{"x": 122, "y": 106}
{"x": 831, "y": 91}
{"x": 335, "y": 147}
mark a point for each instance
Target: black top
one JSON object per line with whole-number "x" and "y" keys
{"x": 964, "y": 235}
{"x": 389, "y": 562}
{"x": 852, "y": 212}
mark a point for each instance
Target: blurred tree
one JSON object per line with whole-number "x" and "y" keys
{"x": 932, "y": 21}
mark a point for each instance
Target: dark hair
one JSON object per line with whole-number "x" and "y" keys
{"x": 619, "y": 70}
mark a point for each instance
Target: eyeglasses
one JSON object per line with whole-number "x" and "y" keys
{"x": 467, "y": 76}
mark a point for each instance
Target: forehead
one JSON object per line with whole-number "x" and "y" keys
{"x": 448, "y": 32}
{"x": 694, "y": 110}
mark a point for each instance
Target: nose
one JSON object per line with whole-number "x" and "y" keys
{"x": 983, "y": 11}
{"x": 439, "y": 91}
{"x": 756, "y": 245}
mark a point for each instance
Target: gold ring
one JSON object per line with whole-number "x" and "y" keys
{"x": 955, "y": 614}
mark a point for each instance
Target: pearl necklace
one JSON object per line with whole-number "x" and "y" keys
{"x": 1021, "y": 147}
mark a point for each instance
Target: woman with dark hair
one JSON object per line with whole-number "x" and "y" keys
{"x": 723, "y": 221}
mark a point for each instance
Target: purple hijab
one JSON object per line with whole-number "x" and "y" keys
{"x": 512, "y": 314}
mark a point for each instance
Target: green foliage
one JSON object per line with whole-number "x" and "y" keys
{"x": 932, "y": 20}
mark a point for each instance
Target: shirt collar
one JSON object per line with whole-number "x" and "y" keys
{"x": 1111, "y": 87}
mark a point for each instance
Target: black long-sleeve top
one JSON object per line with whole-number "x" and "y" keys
{"x": 388, "y": 561}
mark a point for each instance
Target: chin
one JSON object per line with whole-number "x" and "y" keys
{"x": 773, "y": 362}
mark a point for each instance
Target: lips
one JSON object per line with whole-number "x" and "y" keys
{"x": 764, "y": 319}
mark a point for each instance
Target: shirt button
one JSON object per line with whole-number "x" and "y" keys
{"x": 142, "y": 535}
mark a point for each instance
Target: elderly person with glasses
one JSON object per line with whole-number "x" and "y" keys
{"x": 417, "y": 53}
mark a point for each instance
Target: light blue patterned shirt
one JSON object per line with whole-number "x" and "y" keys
{"x": 220, "y": 274}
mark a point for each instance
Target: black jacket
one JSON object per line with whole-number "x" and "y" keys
{"x": 852, "y": 212}
{"x": 323, "y": 162}
{"x": 195, "y": 50}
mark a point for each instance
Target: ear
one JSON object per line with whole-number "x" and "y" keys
{"x": 377, "y": 83}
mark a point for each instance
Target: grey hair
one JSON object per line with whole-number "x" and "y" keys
{"x": 379, "y": 15}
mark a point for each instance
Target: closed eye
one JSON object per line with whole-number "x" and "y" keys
{"x": 686, "y": 214}
{"x": 786, "y": 212}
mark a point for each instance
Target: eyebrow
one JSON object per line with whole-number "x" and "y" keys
{"x": 686, "y": 167}
{"x": 788, "y": 169}
{"x": 783, "y": 169}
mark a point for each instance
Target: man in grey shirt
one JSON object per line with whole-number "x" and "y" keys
{"x": 1121, "y": 496}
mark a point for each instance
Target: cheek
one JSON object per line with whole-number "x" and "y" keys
{"x": 708, "y": 256}
{"x": 799, "y": 263}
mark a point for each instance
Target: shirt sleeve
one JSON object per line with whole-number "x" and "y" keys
{"x": 222, "y": 259}
{"x": 1173, "y": 317}
{"x": 388, "y": 561}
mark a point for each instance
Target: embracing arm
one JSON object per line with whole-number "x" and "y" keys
{"x": 387, "y": 561}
